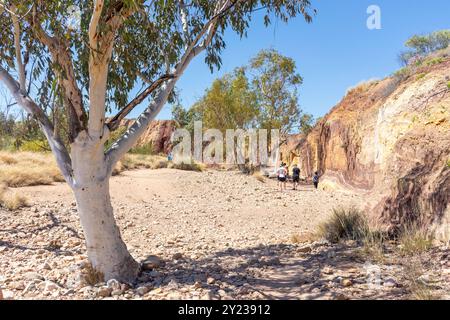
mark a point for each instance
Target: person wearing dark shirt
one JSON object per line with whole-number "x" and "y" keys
{"x": 296, "y": 176}
{"x": 316, "y": 179}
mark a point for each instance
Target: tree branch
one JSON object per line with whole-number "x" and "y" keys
{"x": 101, "y": 52}
{"x": 114, "y": 123}
{"x": 18, "y": 47}
{"x": 58, "y": 148}
{"x": 72, "y": 94}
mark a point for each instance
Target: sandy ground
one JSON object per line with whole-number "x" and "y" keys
{"x": 216, "y": 235}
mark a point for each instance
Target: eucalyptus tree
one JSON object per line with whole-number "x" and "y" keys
{"x": 94, "y": 64}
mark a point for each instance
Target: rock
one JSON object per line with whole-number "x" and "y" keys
{"x": 1, "y": 294}
{"x": 152, "y": 262}
{"x": 302, "y": 280}
{"x": 346, "y": 282}
{"x": 7, "y": 295}
{"x": 104, "y": 292}
{"x": 116, "y": 292}
{"x": 210, "y": 280}
{"x": 177, "y": 256}
{"x": 142, "y": 290}
{"x": 390, "y": 283}
{"x": 306, "y": 249}
{"x": 327, "y": 270}
{"x": 51, "y": 286}
{"x": 113, "y": 284}
{"x": 17, "y": 285}
{"x": 33, "y": 276}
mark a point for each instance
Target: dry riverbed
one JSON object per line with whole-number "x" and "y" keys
{"x": 209, "y": 235}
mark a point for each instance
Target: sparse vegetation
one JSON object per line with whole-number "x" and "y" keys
{"x": 91, "y": 276}
{"x": 193, "y": 166}
{"x": 414, "y": 240}
{"x": 11, "y": 200}
{"x": 448, "y": 85}
{"x": 421, "y": 76}
{"x": 344, "y": 224}
{"x": 304, "y": 238}
{"x": 19, "y": 169}
{"x": 413, "y": 271}
{"x": 434, "y": 61}
{"x": 259, "y": 176}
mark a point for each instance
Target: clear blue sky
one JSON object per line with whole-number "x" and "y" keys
{"x": 333, "y": 53}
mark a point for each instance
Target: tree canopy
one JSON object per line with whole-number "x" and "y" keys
{"x": 422, "y": 45}
{"x": 262, "y": 94}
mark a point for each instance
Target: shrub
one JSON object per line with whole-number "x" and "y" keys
{"x": 403, "y": 73}
{"x": 258, "y": 176}
{"x": 434, "y": 61}
{"x": 11, "y": 200}
{"x": 414, "y": 240}
{"x": 421, "y": 76}
{"x": 448, "y": 85}
{"x": 91, "y": 276}
{"x": 146, "y": 149}
{"x": 193, "y": 166}
{"x": 35, "y": 146}
{"x": 344, "y": 225}
{"x": 413, "y": 269}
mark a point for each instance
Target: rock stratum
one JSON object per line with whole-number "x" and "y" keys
{"x": 391, "y": 139}
{"x": 157, "y": 135}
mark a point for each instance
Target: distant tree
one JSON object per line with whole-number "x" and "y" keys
{"x": 275, "y": 82}
{"x": 420, "y": 46}
{"x": 306, "y": 123}
{"x": 228, "y": 104}
{"x": 94, "y": 66}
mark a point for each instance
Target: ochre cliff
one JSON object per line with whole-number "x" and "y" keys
{"x": 391, "y": 140}
{"x": 157, "y": 135}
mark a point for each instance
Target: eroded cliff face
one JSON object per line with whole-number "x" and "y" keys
{"x": 157, "y": 134}
{"x": 390, "y": 139}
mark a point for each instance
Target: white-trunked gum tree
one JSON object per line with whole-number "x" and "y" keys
{"x": 91, "y": 67}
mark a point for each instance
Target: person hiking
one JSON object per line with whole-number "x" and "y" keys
{"x": 316, "y": 179}
{"x": 296, "y": 176}
{"x": 282, "y": 176}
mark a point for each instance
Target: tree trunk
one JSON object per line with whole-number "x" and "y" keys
{"x": 105, "y": 248}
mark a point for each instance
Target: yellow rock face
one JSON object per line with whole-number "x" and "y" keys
{"x": 390, "y": 138}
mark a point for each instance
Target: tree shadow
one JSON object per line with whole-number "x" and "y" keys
{"x": 274, "y": 272}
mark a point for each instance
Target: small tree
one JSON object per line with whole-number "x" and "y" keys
{"x": 275, "y": 81}
{"x": 92, "y": 65}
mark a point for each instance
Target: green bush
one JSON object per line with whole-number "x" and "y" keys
{"x": 403, "y": 73}
{"x": 434, "y": 61}
{"x": 448, "y": 85}
{"x": 35, "y": 146}
{"x": 146, "y": 149}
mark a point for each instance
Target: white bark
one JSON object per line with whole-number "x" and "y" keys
{"x": 18, "y": 48}
{"x": 105, "y": 248}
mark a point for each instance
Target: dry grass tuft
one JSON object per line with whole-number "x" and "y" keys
{"x": 140, "y": 161}
{"x": 20, "y": 169}
{"x": 91, "y": 276}
{"x": 304, "y": 238}
{"x": 11, "y": 200}
{"x": 344, "y": 224}
{"x": 193, "y": 166}
{"x": 414, "y": 240}
{"x": 413, "y": 272}
{"x": 259, "y": 176}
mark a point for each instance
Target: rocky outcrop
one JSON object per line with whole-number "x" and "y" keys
{"x": 157, "y": 135}
{"x": 390, "y": 139}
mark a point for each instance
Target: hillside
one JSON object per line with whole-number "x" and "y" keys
{"x": 157, "y": 135}
{"x": 390, "y": 139}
